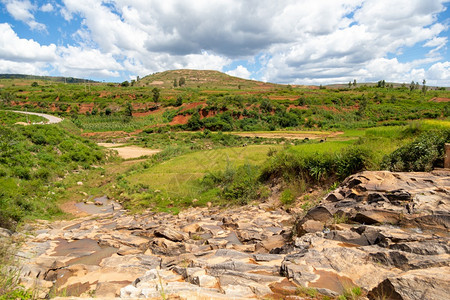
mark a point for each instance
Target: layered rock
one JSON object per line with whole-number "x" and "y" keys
{"x": 398, "y": 232}
{"x": 210, "y": 252}
{"x": 383, "y": 234}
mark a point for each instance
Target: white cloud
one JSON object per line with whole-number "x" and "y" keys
{"x": 22, "y": 11}
{"x": 75, "y": 61}
{"x": 15, "y": 49}
{"x": 295, "y": 41}
{"x": 48, "y": 7}
{"x": 13, "y": 67}
{"x": 241, "y": 72}
{"x": 439, "y": 74}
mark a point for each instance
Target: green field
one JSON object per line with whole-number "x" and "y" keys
{"x": 9, "y": 118}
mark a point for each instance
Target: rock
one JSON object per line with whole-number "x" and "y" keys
{"x": 238, "y": 291}
{"x": 433, "y": 284}
{"x": 309, "y": 226}
{"x": 79, "y": 183}
{"x": 206, "y": 281}
{"x": 271, "y": 244}
{"x": 98, "y": 203}
{"x": 6, "y": 233}
{"x": 171, "y": 234}
{"x": 167, "y": 247}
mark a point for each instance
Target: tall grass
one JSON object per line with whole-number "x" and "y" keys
{"x": 10, "y": 287}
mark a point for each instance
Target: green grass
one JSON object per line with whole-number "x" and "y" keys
{"x": 319, "y": 148}
{"x": 9, "y": 117}
{"x": 115, "y": 122}
{"x": 177, "y": 179}
{"x": 194, "y": 165}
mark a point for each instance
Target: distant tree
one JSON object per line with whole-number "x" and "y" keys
{"x": 128, "y": 110}
{"x": 354, "y": 82}
{"x": 34, "y": 84}
{"x": 182, "y": 81}
{"x": 133, "y": 82}
{"x": 349, "y": 84}
{"x": 412, "y": 86}
{"x": 125, "y": 83}
{"x": 138, "y": 78}
{"x": 156, "y": 94}
{"x": 179, "y": 101}
{"x": 424, "y": 87}
{"x": 175, "y": 83}
{"x": 108, "y": 111}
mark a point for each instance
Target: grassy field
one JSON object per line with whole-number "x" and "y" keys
{"x": 9, "y": 118}
{"x": 177, "y": 180}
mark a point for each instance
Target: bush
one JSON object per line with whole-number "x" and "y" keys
{"x": 316, "y": 167}
{"x": 238, "y": 185}
{"x": 422, "y": 154}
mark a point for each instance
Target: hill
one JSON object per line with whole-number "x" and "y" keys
{"x": 204, "y": 79}
{"x": 45, "y": 78}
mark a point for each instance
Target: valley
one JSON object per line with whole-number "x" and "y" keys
{"x": 222, "y": 187}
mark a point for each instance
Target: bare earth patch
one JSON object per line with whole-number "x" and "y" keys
{"x": 128, "y": 152}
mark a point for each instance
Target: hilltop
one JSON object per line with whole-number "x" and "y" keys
{"x": 204, "y": 79}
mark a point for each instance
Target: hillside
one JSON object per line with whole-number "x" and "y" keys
{"x": 204, "y": 79}
{"x": 45, "y": 78}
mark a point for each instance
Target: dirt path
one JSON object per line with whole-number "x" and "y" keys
{"x": 127, "y": 152}
{"x": 51, "y": 119}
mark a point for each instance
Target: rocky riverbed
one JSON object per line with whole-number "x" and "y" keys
{"x": 383, "y": 235}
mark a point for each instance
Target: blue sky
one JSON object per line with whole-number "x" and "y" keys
{"x": 286, "y": 41}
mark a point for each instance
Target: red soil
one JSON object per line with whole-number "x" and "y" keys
{"x": 291, "y": 106}
{"x": 436, "y": 99}
{"x": 180, "y": 120}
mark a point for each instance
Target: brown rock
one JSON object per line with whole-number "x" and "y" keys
{"x": 171, "y": 234}
{"x": 309, "y": 226}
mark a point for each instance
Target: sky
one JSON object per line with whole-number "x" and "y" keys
{"x": 284, "y": 41}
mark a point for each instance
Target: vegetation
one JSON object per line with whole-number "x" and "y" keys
{"x": 193, "y": 116}
{"x": 32, "y": 158}
{"x": 9, "y": 118}
{"x": 9, "y": 273}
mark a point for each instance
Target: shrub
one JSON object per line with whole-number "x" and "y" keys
{"x": 287, "y": 197}
{"x": 424, "y": 153}
{"x": 238, "y": 185}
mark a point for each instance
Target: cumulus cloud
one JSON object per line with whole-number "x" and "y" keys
{"x": 22, "y": 11}
{"x": 15, "y": 49}
{"x": 241, "y": 72}
{"x": 439, "y": 74}
{"x": 48, "y": 7}
{"x": 292, "y": 41}
{"x": 76, "y": 61}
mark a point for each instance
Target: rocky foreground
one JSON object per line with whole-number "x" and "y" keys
{"x": 380, "y": 235}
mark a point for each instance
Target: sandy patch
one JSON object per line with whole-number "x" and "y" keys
{"x": 157, "y": 82}
{"x": 128, "y": 152}
{"x": 110, "y": 145}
